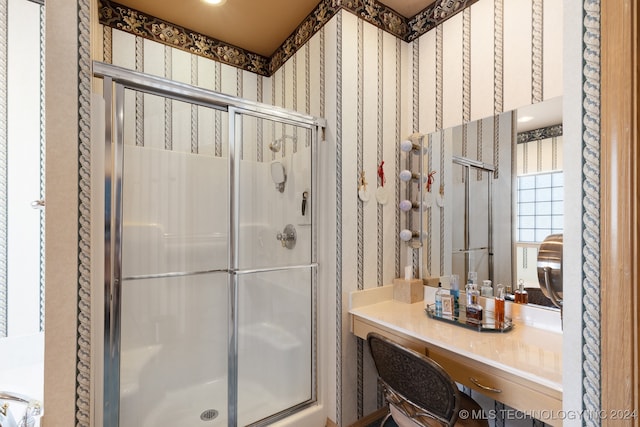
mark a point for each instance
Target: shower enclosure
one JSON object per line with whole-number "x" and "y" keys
{"x": 210, "y": 256}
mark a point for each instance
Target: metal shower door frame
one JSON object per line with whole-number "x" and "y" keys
{"x": 468, "y": 164}
{"x": 115, "y": 81}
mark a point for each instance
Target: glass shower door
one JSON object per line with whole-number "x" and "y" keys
{"x": 275, "y": 268}
{"x": 210, "y": 259}
{"x": 174, "y": 321}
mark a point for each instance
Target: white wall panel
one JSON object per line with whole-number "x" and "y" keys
{"x": 314, "y": 71}
{"x": 123, "y": 49}
{"x": 229, "y": 79}
{"x": 350, "y": 176}
{"x": 452, "y": 71}
{"x": 552, "y": 48}
{"x": 517, "y": 53}
{"x": 390, "y": 127}
{"x": 428, "y": 82}
{"x": 300, "y": 94}
{"x": 482, "y": 59}
{"x": 206, "y": 73}
{"x": 124, "y": 55}
{"x": 250, "y": 86}
{"x": 327, "y": 218}
{"x": 369, "y": 129}
{"x": 153, "y": 58}
{"x": 180, "y": 66}
{"x": 288, "y": 75}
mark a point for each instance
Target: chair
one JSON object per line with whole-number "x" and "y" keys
{"x": 420, "y": 393}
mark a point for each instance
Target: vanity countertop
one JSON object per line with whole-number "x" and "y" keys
{"x": 523, "y": 360}
{"x": 525, "y": 351}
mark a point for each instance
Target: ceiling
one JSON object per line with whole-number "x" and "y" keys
{"x": 540, "y": 115}
{"x": 258, "y": 26}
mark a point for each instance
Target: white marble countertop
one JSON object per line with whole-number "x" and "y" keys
{"x": 527, "y": 352}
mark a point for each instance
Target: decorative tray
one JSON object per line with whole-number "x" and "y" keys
{"x": 487, "y": 324}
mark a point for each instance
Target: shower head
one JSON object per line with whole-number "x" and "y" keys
{"x": 276, "y": 145}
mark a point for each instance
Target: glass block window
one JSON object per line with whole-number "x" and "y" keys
{"x": 540, "y": 206}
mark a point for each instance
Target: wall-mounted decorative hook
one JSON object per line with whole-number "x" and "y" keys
{"x": 440, "y": 196}
{"x": 430, "y": 180}
{"x": 363, "y": 193}
{"x": 382, "y": 195}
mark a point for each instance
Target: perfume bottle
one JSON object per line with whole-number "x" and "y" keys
{"x": 521, "y": 295}
{"x": 486, "y": 290}
{"x": 498, "y": 309}
{"x": 455, "y": 294}
{"x": 438, "y": 299}
{"x": 474, "y": 309}
{"x": 472, "y": 277}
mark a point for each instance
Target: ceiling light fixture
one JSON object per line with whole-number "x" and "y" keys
{"x": 215, "y": 2}
{"x": 525, "y": 119}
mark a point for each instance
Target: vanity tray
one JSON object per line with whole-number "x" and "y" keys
{"x": 487, "y": 324}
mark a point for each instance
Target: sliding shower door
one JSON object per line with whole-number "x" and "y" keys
{"x": 174, "y": 311}
{"x": 210, "y": 259}
{"x": 274, "y": 264}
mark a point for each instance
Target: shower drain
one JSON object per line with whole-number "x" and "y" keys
{"x": 208, "y": 415}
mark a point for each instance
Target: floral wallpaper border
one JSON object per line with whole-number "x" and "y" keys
{"x": 123, "y": 18}
{"x": 542, "y": 133}
{"x": 434, "y": 15}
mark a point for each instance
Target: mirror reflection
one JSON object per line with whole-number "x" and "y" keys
{"x": 504, "y": 186}
{"x": 539, "y": 189}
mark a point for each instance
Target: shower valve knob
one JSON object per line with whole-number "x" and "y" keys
{"x": 287, "y": 237}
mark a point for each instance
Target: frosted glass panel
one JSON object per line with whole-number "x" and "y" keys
{"x": 175, "y": 210}
{"x": 174, "y": 350}
{"x": 275, "y": 179}
{"x": 198, "y": 210}
{"x": 472, "y": 255}
{"x": 274, "y": 354}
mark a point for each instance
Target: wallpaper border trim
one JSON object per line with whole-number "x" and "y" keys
{"x": 4, "y": 22}
{"x": 120, "y": 17}
{"x": 83, "y": 351}
{"x": 591, "y": 351}
{"x": 541, "y": 133}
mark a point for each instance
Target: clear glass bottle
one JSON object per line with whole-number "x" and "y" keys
{"x": 498, "y": 309}
{"x": 521, "y": 295}
{"x": 486, "y": 290}
{"x": 472, "y": 277}
{"x": 474, "y": 309}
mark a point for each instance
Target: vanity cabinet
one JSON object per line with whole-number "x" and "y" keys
{"x": 521, "y": 368}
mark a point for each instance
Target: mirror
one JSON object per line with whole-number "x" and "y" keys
{"x": 539, "y": 189}
{"x": 502, "y": 186}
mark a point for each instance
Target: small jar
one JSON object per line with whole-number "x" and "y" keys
{"x": 486, "y": 290}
